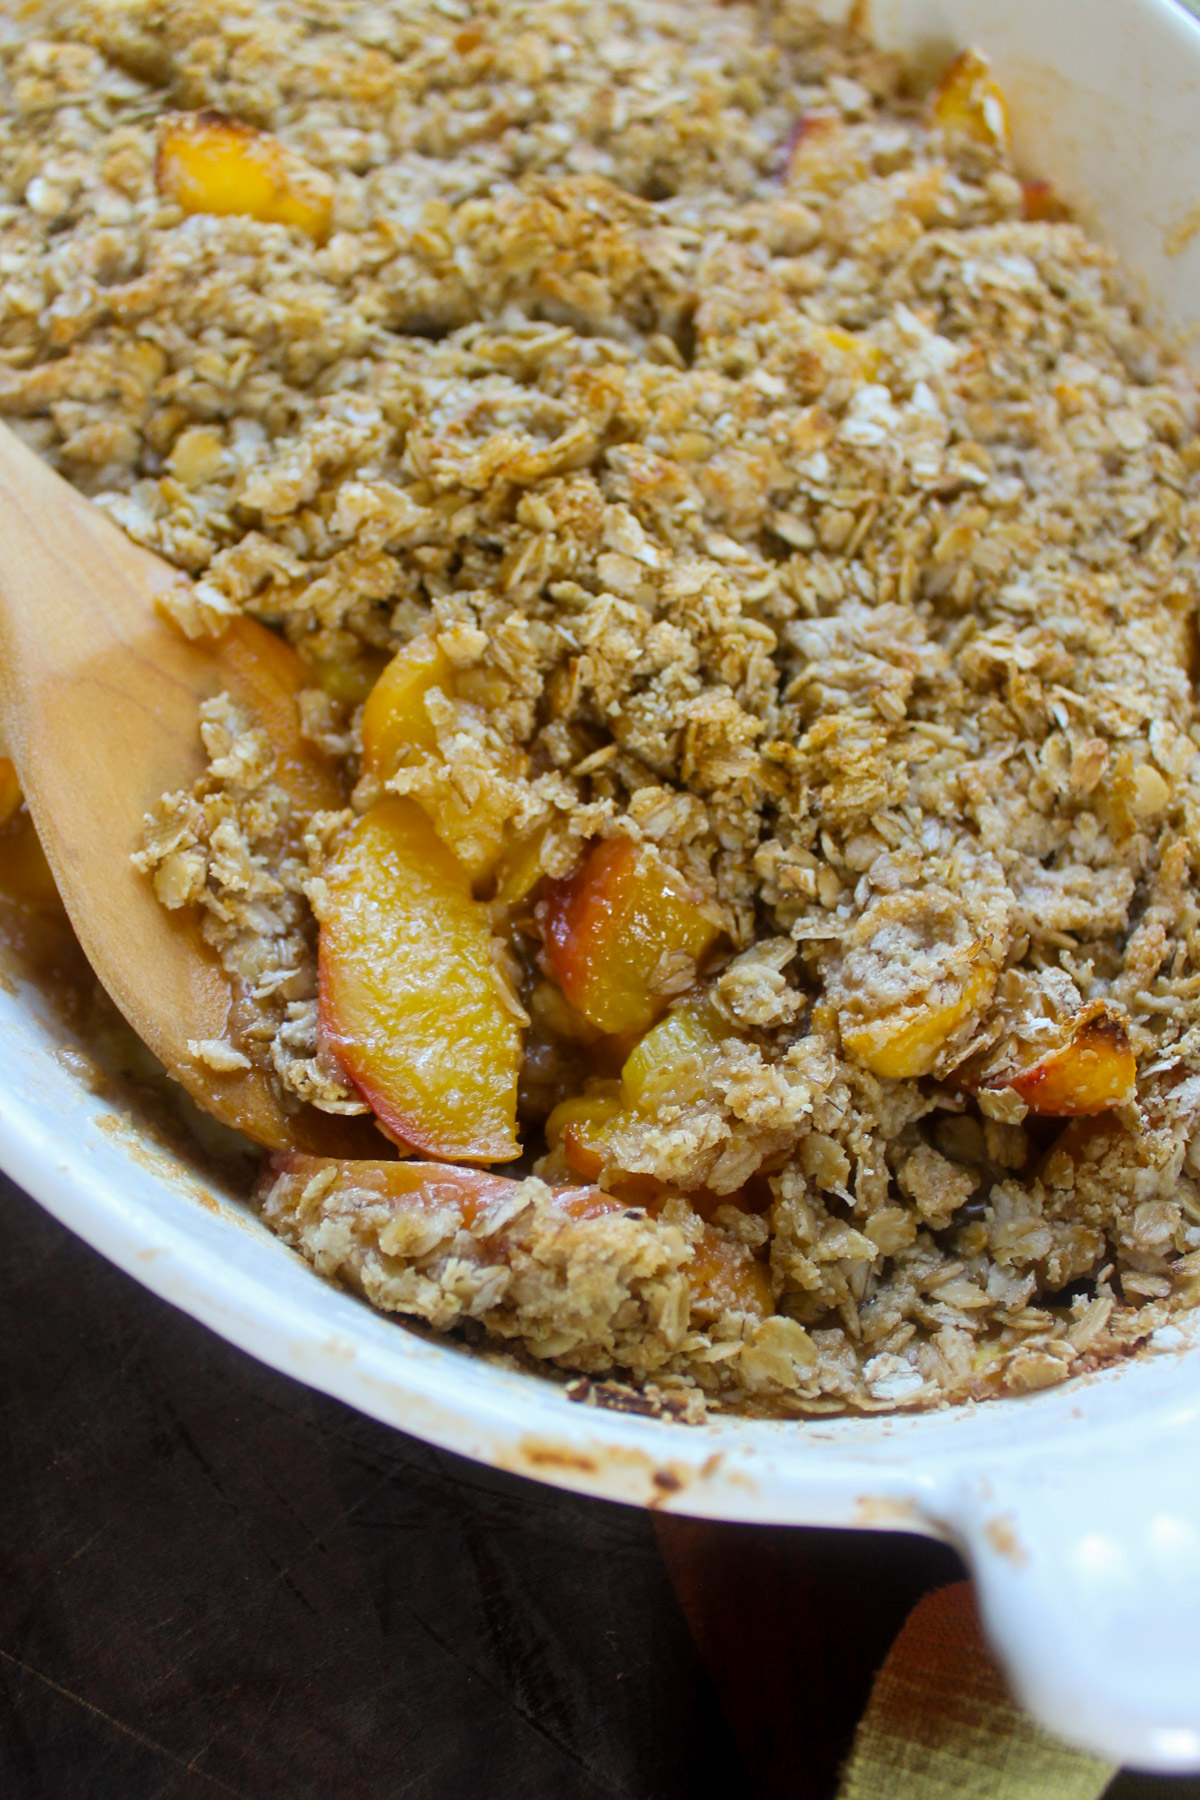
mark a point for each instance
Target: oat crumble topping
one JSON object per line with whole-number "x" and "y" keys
{"x": 788, "y": 503}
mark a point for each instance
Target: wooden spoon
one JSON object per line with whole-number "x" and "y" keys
{"x": 98, "y": 711}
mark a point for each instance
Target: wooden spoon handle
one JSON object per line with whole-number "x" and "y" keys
{"x": 98, "y": 708}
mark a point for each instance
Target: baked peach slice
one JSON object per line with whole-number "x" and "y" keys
{"x": 669, "y": 1057}
{"x": 579, "y": 1126}
{"x": 518, "y": 870}
{"x": 672, "y": 1053}
{"x": 427, "y": 1185}
{"x": 726, "y": 1277}
{"x": 1091, "y": 1073}
{"x": 396, "y": 724}
{"x": 412, "y": 1002}
{"x": 723, "y": 1275}
{"x": 905, "y": 1045}
{"x": 208, "y": 163}
{"x": 399, "y": 733}
{"x": 969, "y": 104}
{"x": 622, "y": 934}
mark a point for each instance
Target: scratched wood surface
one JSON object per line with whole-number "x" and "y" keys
{"x": 214, "y": 1582}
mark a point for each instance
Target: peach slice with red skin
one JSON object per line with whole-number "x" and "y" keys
{"x": 411, "y": 1002}
{"x": 609, "y": 928}
{"x": 208, "y": 163}
{"x": 724, "y": 1275}
{"x": 1091, "y": 1073}
{"x": 578, "y": 1126}
{"x": 429, "y": 1184}
{"x": 667, "y": 1058}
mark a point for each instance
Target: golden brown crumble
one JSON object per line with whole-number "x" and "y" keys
{"x": 787, "y": 502}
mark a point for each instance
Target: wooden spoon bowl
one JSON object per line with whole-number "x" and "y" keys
{"x": 99, "y": 707}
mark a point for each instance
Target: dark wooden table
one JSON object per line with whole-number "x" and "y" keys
{"x": 215, "y": 1582}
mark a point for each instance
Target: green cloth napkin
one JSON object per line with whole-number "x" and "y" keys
{"x": 940, "y": 1724}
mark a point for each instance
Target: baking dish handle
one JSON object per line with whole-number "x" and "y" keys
{"x": 1087, "y": 1561}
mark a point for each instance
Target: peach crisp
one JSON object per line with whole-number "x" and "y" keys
{"x": 703, "y": 556}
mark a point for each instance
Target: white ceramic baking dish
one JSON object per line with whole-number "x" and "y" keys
{"x": 1078, "y": 1509}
